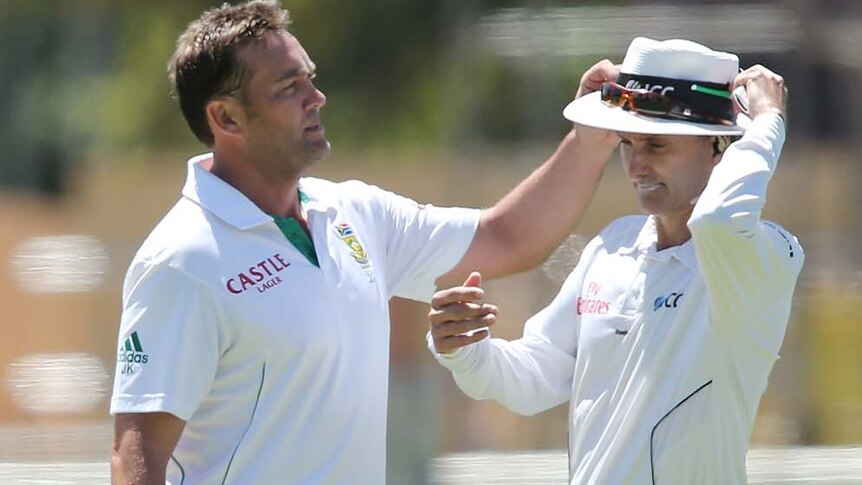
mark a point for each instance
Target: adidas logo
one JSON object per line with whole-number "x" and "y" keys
{"x": 131, "y": 353}
{"x": 133, "y": 343}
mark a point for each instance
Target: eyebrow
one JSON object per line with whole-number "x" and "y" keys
{"x": 295, "y": 72}
{"x": 639, "y": 136}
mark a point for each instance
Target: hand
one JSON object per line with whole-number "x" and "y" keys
{"x": 457, "y": 316}
{"x": 600, "y": 73}
{"x": 765, "y": 90}
{"x": 592, "y": 80}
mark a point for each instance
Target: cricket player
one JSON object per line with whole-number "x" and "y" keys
{"x": 254, "y": 340}
{"x": 663, "y": 336}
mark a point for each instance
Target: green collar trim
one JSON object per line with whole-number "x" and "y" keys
{"x": 297, "y": 236}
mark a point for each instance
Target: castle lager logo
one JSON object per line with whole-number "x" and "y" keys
{"x": 261, "y": 275}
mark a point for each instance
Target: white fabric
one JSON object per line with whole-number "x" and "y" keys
{"x": 674, "y": 59}
{"x": 663, "y": 354}
{"x": 280, "y": 368}
{"x": 679, "y": 59}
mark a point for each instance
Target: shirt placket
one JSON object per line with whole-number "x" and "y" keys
{"x": 631, "y": 300}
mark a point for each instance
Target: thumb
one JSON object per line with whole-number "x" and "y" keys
{"x": 475, "y": 279}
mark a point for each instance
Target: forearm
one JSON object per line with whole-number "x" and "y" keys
{"x": 736, "y": 191}
{"x": 522, "y": 375}
{"x": 532, "y": 220}
{"x": 143, "y": 443}
{"x": 133, "y": 465}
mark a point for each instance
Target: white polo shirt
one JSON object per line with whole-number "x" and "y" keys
{"x": 663, "y": 354}
{"x": 278, "y": 367}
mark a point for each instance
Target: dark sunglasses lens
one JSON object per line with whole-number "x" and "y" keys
{"x": 653, "y": 104}
{"x": 611, "y": 94}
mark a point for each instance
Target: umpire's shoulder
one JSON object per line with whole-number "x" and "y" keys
{"x": 784, "y": 240}
{"x": 623, "y": 233}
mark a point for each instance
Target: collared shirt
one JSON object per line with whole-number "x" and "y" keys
{"x": 663, "y": 354}
{"x": 279, "y": 367}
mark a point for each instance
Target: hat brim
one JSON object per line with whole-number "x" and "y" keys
{"x": 589, "y": 110}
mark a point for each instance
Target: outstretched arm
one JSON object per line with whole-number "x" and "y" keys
{"x": 525, "y": 226}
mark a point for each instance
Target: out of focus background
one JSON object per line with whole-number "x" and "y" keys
{"x": 446, "y": 101}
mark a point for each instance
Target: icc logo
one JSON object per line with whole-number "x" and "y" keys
{"x": 655, "y": 88}
{"x": 669, "y": 301}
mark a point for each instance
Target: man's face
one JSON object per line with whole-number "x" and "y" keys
{"x": 281, "y": 104}
{"x": 667, "y": 172}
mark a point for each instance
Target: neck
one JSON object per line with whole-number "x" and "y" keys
{"x": 275, "y": 194}
{"x": 672, "y": 230}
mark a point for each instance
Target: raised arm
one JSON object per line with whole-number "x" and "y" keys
{"x": 525, "y": 226}
{"x": 746, "y": 262}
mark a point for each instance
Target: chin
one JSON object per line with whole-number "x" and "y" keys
{"x": 317, "y": 151}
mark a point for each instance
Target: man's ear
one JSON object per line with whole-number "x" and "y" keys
{"x": 717, "y": 149}
{"x": 225, "y": 116}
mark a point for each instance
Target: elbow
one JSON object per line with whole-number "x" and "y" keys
{"x": 526, "y": 250}
{"x": 515, "y": 250}
{"x": 527, "y": 260}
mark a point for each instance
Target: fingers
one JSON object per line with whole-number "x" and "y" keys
{"x": 475, "y": 279}
{"x": 458, "y": 317}
{"x": 601, "y": 72}
{"x": 765, "y": 90}
{"x": 455, "y": 295}
{"x": 450, "y": 335}
{"x": 455, "y": 342}
{"x": 592, "y": 80}
{"x": 754, "y": 73}
{"x": 447, "y": 324}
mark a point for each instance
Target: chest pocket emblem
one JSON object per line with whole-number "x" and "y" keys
{"x": 669, "y": 301}
{"x": 357, "y": 251}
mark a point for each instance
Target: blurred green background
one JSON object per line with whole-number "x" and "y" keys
{"x": 446, "y": 101}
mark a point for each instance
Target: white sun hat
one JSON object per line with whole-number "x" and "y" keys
{"x": 684, "y": 71}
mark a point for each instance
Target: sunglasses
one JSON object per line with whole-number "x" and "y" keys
{"x": 649, "y": 103}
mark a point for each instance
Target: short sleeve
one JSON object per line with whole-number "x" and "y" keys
{"x": 422, "y": 242}
{"x": 168, "y": 346}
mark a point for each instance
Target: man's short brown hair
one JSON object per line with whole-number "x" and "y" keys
{"x": 205, "y": 64}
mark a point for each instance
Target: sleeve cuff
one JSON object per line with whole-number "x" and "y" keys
{"x": 461, "y": 359}
{"x": 149, "y": 403}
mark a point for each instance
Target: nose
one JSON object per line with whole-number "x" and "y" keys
{"x": 316, "y": 100}
{"x": 637, "y": 164}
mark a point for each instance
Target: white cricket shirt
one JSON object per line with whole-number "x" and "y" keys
{"x": 278, "y": 367}
{"x": 663, "y": 354}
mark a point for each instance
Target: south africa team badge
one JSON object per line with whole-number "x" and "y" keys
{"x": 345, "y": 232}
